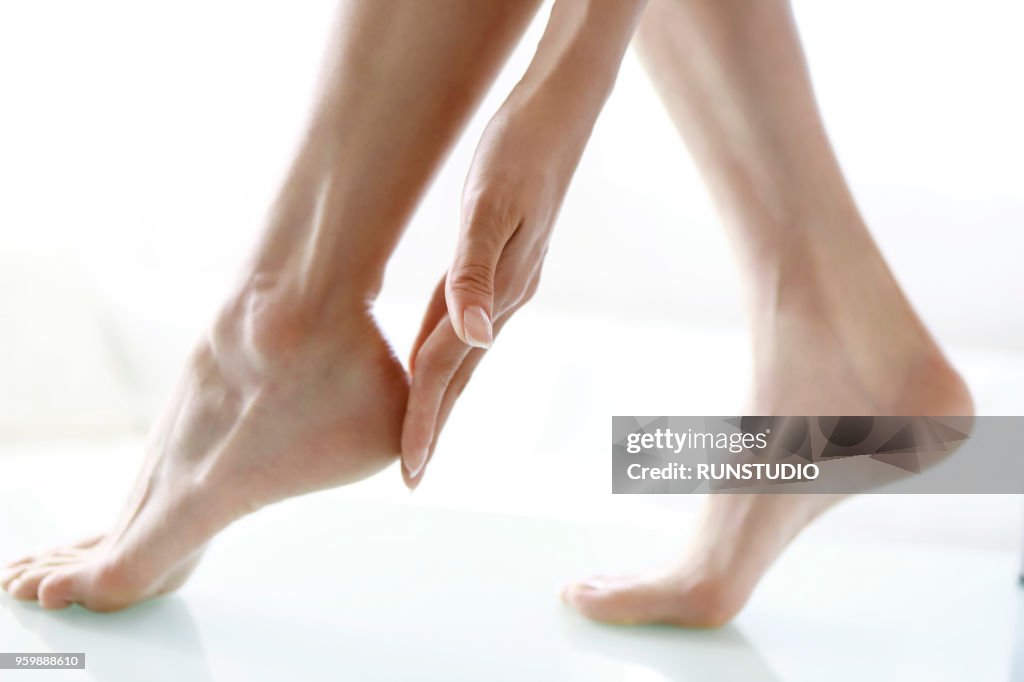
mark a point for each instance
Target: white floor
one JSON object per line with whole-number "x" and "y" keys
{"x": 373, "y": 591}
{"x": 336, "y": 586}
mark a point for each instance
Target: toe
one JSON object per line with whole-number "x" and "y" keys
{"x": 26, "y": 585}
{"x": 662, "y": 598}
{"x": 11, "y": 580}
{"x": 611, "y": 600}
{"x": 19, "y": 562}
{"x": 63, "y": 550}
{"x": 15, "y": 568}
{"x": 58, "y": 590}
{"x": 10, "y": 574}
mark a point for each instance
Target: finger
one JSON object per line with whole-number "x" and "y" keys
{"x": 454, "y": 389}
{"x": 438, "y": 359}
{"x": 437, "y": 309}
{"x": 469, "y": 364}
{"x": 513, "y": 259}
{"x": 469, "y": 289}
{"x": 460, "y": 379}
{"x": 457, "y": 385}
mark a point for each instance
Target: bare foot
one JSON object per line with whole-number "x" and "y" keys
{"x": 811, "y": 358}
{"x": 273, "y": 404}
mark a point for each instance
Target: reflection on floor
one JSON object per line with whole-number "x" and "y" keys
{"x": 384, "y": 592}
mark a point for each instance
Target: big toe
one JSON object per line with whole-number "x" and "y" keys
{"x": 661, "y": 598}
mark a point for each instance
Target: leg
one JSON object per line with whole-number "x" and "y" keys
{"x": 295, "y": 389}
{"x": 832, "y": 332}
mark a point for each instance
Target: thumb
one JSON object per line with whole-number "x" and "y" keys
{"x": 469, "y": 288}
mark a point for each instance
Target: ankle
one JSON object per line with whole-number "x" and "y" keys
{"x": 852, "y": 324}
{"x": 826, "y": 274}
{"x": 327, "y": 240}
{"x": 270, "y": 317}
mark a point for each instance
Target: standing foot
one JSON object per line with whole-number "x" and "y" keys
{"x": 813, "y": 356}
{"x": 273, "y": 404}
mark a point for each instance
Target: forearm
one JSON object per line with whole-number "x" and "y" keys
{"x": 582, "y": 47}
{"x": 552, "y": 110}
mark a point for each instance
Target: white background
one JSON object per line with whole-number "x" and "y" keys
{"x": 140, "y": 142}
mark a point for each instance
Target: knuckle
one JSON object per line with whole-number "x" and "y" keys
{"x": 524, "y": 290}
{"x": 512, "y": 281}
{"x": 472, "y": 278}
{"x": 520, "y": 291}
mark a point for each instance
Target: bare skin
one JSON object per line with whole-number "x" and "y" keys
{"x": 519, "y": 176}
{"x": 268, "y": 404}
{"x": 832, "y": 332}
{"x": 294, "y": 388}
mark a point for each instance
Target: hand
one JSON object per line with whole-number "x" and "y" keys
{"x": 516, "y": 184}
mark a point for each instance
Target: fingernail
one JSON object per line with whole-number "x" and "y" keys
{"x": 477, "y": 327}
{"x": 416, "y": 462}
